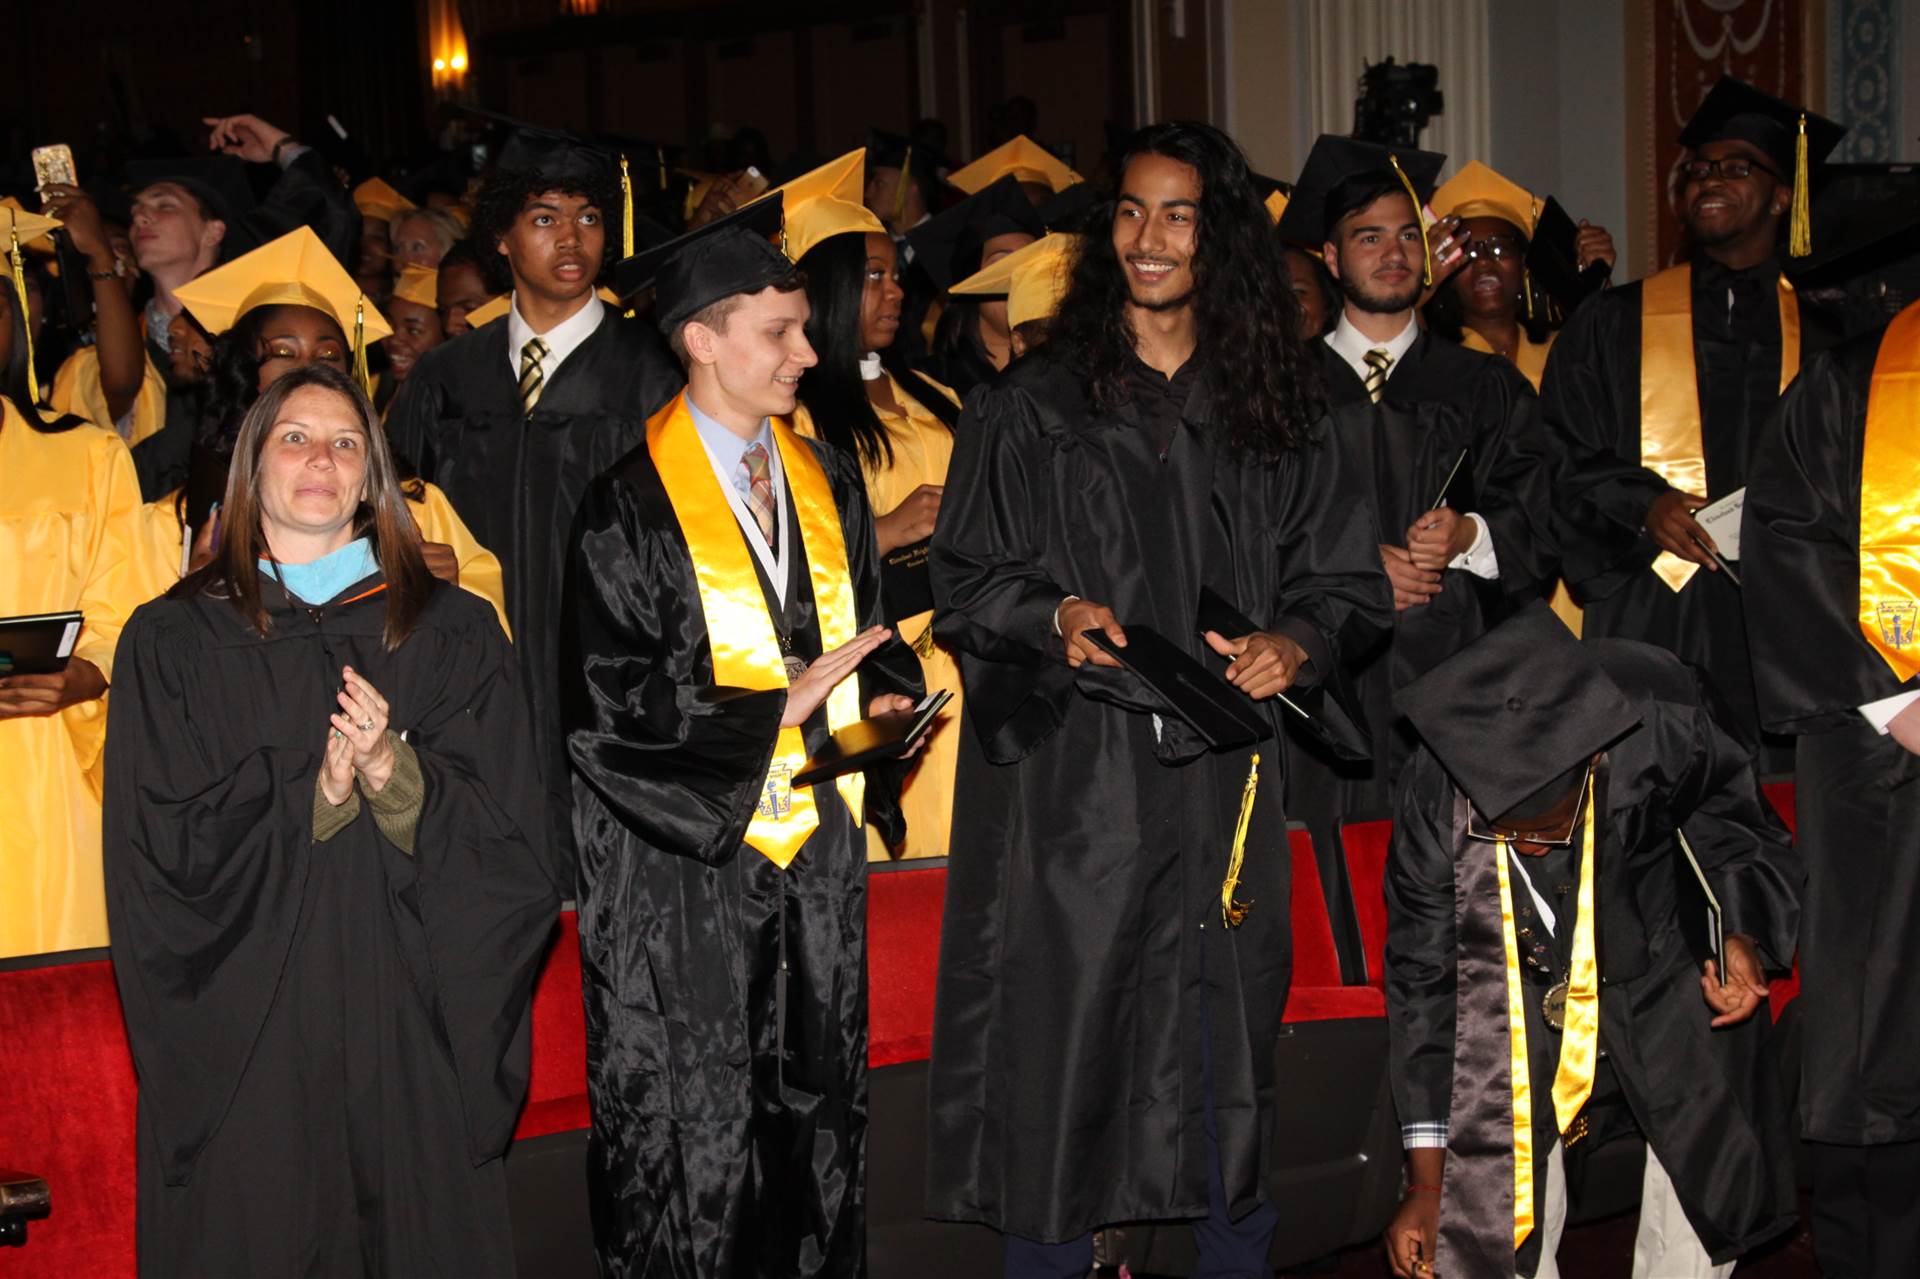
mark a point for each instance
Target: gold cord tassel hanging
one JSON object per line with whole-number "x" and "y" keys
{"x": 1526, "y": 290}
{"x": 20, "y": 292}
{"x": 1426, "y": 248}
{"x": 900, "y": 193}
{"x": 360, "y": 373}
{"x": 1800, "y": 221}
{"x": 660, "y": 160}
{"x": 626, "y": 214}
{"x": 1232, "y": 912}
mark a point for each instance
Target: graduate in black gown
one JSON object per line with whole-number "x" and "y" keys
{"x": 1450, "y": 441}
{"x": 1710, "y": 345}
{"x": 724, "y": 602}
{"x": 1103, "y": 1041}
{"x": 1834, "y": 662}
{"x": 973, "y": 341}
{"x": 1595, "y": 758}
{"x": 325, "y": 878}
{"x": 513, "y": 420}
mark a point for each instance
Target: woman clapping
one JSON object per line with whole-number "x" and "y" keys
{"x": 324, "y": 876}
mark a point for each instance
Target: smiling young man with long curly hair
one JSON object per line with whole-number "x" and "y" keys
{"x": 1103, "y": 1039}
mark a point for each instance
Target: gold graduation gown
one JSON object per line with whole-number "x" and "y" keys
{"x": 164, "y": 545}
{"x": 76, "y": 390}
{"x": 68, "y": 508}
{"x": 922, "y": 447}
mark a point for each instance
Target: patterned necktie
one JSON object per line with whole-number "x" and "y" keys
{"x": 1378, "y": 362}
{"x": 530, "y": 377}
{"x": 759, "y": 488}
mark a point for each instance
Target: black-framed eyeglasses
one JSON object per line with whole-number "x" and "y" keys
{"x": 1733, "y": 168}
{"x": 1486, "y": 831}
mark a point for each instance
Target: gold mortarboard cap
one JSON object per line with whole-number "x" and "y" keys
{"x": 1033, "y": 278}
{"x": 490, "y": 310}
{"x": 825, "y": 203}
{"x": 1479, "y": 192}
{"x": 294, "y": 270}
{"x": 1024, "y": 159}
{"x": 34, "y": 229}
{"x": 375, "y": 199}
{"x": 419, "y": 285}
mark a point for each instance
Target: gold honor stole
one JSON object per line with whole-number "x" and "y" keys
{"x": 1670, "y": 441}
{"x": 1890, "y": 498}
{"x": 746, "y": 650}
{"x": 1579, "y": 1042}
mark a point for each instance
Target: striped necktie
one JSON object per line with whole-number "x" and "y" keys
{"x": 759, "y": 488}
{"x": 530, "y": 376}
{"x": 1378, "y": 362}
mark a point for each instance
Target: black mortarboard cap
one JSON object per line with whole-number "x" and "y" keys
{"x": 889, "y": 151}
{"x": 1734, "y": 110}
{"x": 1553, "y": 258}
{"x": 1337, "y": 169}
{"x": 734, "y": 254}
{"x": 217, "y": 181}
{"x": 1068, "y": 210}
{"x": 1512, "y": 713}
{"x": 552, "y": 153}
{"x": 948, "y": 246}
{"x": 1864, "y": 217}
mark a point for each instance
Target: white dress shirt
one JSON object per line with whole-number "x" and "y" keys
{"x": 1351, "y": 345}
{"x": 562, "y": 340}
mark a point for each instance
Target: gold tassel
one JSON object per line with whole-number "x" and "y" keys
{"x": 1426, "y": 249}
{"x": 900, "y": 193}
{"x": 660, "y": 159}
{"x": 1800, "y": 222}
{"x": 20, "y": 291}
{"x": 1526, "y": 289}
{"x": 360, "y": 373}
{"x": 1233, "y": 913}
{"x": 626, "y": 215}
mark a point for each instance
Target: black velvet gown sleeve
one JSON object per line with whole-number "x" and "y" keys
{"x": 1747, "y": 854}
{"x": 206, "y": 868}
{"x": 1800, "y": 552}
{"x": 679, "y": 760}
{"x": 306, "y": 194}
{"x": 485, "y": 898}
{"x": 995, "y": 602}
{"x": 1590, "y": 406}
{"x": 1421, "y": 962}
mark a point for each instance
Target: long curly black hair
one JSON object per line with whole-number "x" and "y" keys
{"x": 505, "y": 193}
{"x": 1246, "y": 319}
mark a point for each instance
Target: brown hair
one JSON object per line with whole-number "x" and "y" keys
{"x": 234, "y": 571}
{"x": 714, "y": 314}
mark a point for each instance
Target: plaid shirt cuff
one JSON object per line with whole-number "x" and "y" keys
{"x": 1424, "y": 1136}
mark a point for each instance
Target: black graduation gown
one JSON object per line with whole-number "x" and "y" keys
{"x": 1590, "y": 403}
{"x": 1440, "y": 398}
{"x": 1859, "y": 791}
{"x": 726, "y": 999}
{"x": 516, "y": 479}
{"x": 331, "y": 1039}
{"x": 1708, "y": 1101}
{"x": 1087, "y": 859}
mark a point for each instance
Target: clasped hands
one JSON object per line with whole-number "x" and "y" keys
{"x": 1434, "y": 540}
{"x": 1264, "y": 663}
{"x": 357, "y": 742}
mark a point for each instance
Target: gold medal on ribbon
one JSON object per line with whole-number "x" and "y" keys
{"x": 1554, "y": 1006}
